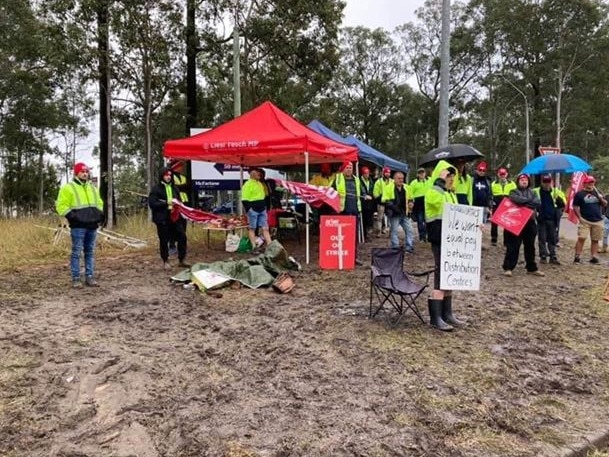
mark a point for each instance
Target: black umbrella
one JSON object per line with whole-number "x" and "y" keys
{"x": 451, "y": 151}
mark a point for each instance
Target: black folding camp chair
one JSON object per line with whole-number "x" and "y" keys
{"x": 391, "y": 284}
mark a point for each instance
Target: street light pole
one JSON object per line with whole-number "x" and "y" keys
{"x": 443, "y": 122}
{"x": 526, "y": 117}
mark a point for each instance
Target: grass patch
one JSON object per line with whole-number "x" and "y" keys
{"x": 31, "y": 242}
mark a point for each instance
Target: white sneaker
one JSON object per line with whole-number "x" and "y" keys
{"x": 536, "y": 273}
{"x": 507, "y": 272}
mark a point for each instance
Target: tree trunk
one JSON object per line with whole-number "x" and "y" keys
{"x": 443, "y": 133}
{"x": 104, "y": 109}
{"x": 41, "y": 182}
{"x": 191, "y": 67}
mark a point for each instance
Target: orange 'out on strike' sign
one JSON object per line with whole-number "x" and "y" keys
{"x": 337, "y": 242}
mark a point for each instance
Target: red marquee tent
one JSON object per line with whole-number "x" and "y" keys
{"x": 264, "y": 136}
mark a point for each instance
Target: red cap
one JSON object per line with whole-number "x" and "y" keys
{"x": 365, "y": 170}
{"x": 481, "y": 166}
{"x": 78, "y": 167}
{"x": 589, "y": 180}
{"x": 386, "y": 170}
{"x": 345, "y": 164}
{"x": 502, "y": 172}
{"x": 546, "y": 178}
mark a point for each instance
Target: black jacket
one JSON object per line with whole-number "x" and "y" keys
{"x": 157, "y": 200}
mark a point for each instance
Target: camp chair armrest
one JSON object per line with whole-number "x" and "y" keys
{"x": 421, "y": 273}
{"x": 377, "y": 274}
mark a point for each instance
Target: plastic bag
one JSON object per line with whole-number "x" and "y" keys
{"x": 232, "y": 242}
{"x": 245, "y": 245}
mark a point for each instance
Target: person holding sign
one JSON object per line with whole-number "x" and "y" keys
{"x": 522, "y": 196}
{"x": 442, "y": 191}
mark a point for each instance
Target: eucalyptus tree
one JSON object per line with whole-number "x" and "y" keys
{"x": 35, "y": 70}
{"x": 146, "y": 64}
{"x": 364, "y": 87}
{"x": 288, "y": 53}
{"x": 420, "y": 44}
{"x": 545, "y": 49}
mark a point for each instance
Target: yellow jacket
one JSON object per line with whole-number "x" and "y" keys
{"x": 80, "y": 203}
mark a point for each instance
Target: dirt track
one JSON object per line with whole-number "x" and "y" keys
{"x": 140, "y": 367}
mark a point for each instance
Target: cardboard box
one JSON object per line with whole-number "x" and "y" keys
{"x": 206, "y": 280}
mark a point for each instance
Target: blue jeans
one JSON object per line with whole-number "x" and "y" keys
{"x": 420, "y": 218}
{"x": 404, "y": 222}
{"x": 83, "y": 239}
{"x": 257, "y": 219}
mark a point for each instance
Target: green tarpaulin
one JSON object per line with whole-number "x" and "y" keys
{"x": 253, "y": 272}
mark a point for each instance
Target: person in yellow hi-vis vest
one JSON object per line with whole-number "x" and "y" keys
{"x": 180, "y": 182}
{"x": 80, "y": 203}
{"x": 418, "y": 187}
{"x": 377, "y": 193}
{"x": 398, "y": 205}
{"x": 253, "y": 198}
{"x": 500, "y": 189}
{"x": 349, "y": 190}
{"x": 441, "y": 191}
{"x": 464, "y": 182}
{"x": 160, "y": 201}
{"x": 324, "y": 178}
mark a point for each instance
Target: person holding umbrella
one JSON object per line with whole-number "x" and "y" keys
{"x": 546, "y": 219}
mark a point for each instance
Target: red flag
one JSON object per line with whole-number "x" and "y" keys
{"x": 511, "y": 217}
{"x": 313, "y": 195}
{"x": 577, "y": 183}
{"x": 194, "y": 215}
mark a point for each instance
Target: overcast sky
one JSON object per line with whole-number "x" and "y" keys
{"x": 386, "y": 14}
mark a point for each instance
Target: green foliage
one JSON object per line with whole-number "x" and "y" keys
{"x": 553, "y": 53}
{"x": 130, "y": 187}
{"x": 21, "y": 188}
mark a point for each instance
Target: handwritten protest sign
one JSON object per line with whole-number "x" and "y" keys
{"x": 461, "y": 247}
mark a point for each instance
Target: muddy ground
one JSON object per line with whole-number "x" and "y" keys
{"x": 141, "y": 367}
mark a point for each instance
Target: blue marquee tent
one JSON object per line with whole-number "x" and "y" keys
{"x": 366, "y": 152}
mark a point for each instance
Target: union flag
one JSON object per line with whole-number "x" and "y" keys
{"x": 313, "y": 195}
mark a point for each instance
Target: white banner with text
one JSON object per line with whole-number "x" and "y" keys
{"x": 461, "y": 248}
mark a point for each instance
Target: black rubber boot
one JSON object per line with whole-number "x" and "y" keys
{"x": 435, "y": 319}
{"x": 447, "y": 312}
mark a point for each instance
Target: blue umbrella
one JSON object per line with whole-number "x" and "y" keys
{"x": 556, "y": 163}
